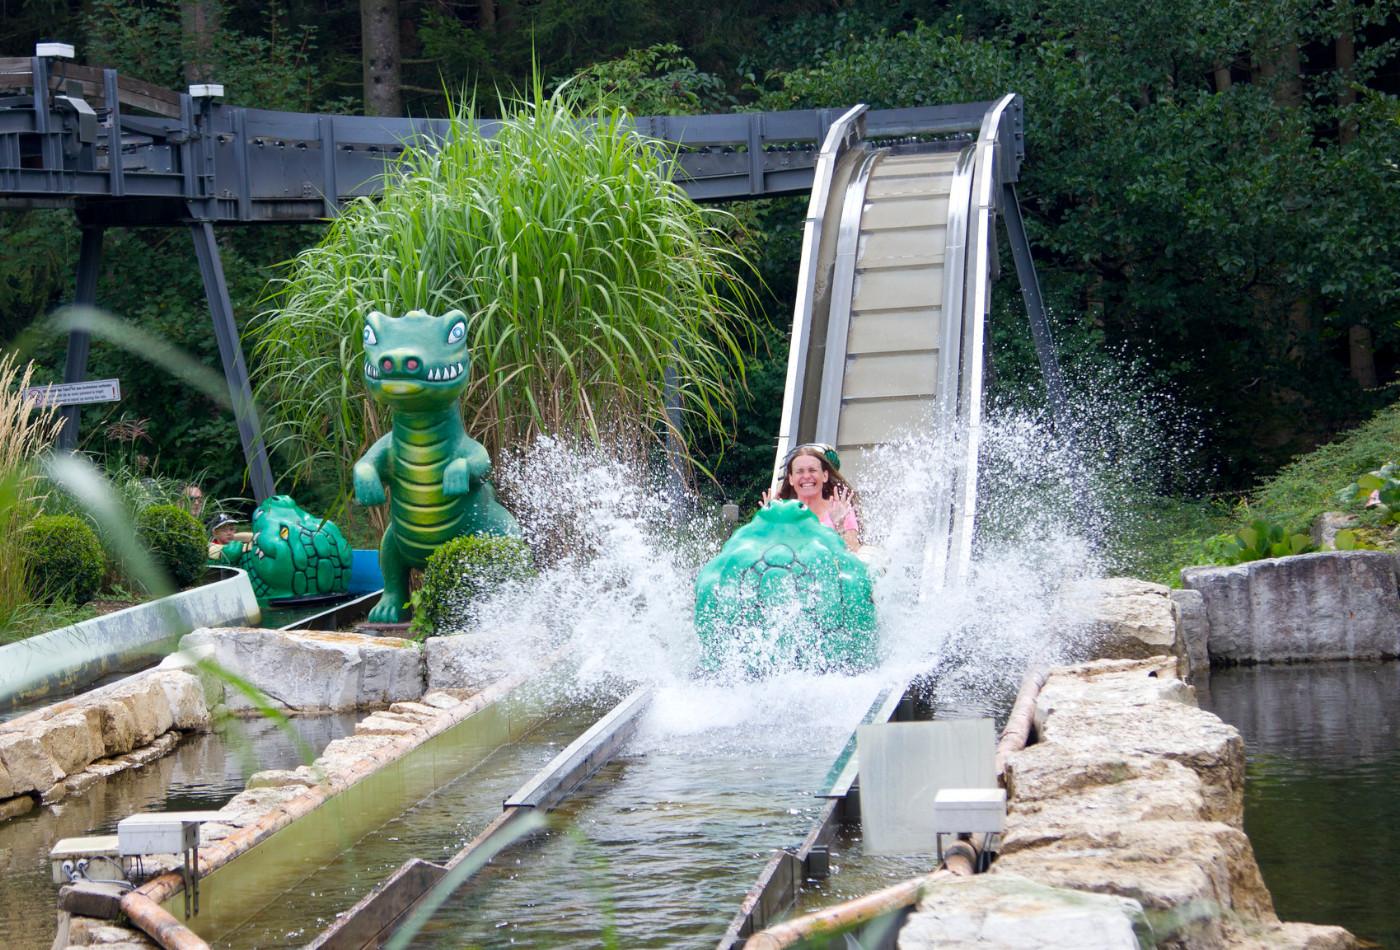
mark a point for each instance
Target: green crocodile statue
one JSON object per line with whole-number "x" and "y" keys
{"x": 418, "y": 364}
{"x": 293, "y": 554}
{"x": 785, "y": 592}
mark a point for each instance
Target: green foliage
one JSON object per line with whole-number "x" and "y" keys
{"x": 1384, "y": 484}
{"x": 63, "y": 558}
{"x": 658, "y": 80}
{"x": 1262, "y": 539}
{"x": 587, "y": 273}
{"x": 1166, "y": 210}
{"x": 270, "y": 69}
{"x": 460, "y": 573}
{"x": 176, "y": 540}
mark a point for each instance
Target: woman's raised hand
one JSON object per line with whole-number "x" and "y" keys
{"x": 839, "y": 506}
{"x": 767, "y": 498}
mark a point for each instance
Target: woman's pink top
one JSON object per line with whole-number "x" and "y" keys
{"x": 849, "y": 524}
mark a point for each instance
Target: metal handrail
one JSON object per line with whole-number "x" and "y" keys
{"x": 992, "y": 168}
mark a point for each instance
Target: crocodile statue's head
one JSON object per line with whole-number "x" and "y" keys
{"x": 416, "y": 362}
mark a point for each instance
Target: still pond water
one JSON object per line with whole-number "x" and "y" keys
{"x": 1322, "y": 790}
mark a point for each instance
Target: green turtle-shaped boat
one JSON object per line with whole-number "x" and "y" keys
{"x": 785, "y": 593}
{"x": 294, "y": 555}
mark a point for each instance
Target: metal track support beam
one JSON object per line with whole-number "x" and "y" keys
{"x": 1035, "y": 306}
{"x": 85, "y": 295}
{"x": 231, "y": 353}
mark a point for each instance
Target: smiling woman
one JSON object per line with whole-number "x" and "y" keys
{"x": 812, "y": 476}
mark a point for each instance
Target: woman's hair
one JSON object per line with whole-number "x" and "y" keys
{"x": 833, "y": 477}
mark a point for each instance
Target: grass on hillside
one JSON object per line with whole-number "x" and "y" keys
{"x": 1171, "y": 533}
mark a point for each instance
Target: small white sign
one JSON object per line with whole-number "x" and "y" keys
{"x": 74, "y": 394}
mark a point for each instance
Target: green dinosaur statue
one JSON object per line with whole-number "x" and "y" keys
{"x": 292, "y": 554}
{"x": 417, "y": 364}
{"x": 785, "y": 592}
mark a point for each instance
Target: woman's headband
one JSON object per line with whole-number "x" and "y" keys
{"x": 828, "y": 452}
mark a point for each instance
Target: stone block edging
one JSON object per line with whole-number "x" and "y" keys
{"x": 1330, "y": 605}
{"x": 67, "y": 747}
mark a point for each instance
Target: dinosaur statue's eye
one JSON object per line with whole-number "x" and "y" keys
{"x": 369, "y": 337}
{"x": 457, "y": 333}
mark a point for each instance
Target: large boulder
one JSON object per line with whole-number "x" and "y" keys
{"x": 1130, "y": 618}
{"x": 312, "y": 671}
{"x": 1324, "y": 606}
{"x": 28, "y": 764}
{"x": 1009, "y": 911}
{"x": 1191, "y": 877}
{"x": 1195, "y": 629}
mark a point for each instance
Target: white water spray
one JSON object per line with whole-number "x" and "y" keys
{"x": 617, "y": 599}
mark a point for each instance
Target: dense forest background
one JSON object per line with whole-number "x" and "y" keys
{"x": 1210, "y": 185}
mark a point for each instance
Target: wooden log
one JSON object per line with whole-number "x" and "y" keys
{"x": 851, "y": 914}
{"x": 159, "y": 924}
{"x": 1016, "y": 735}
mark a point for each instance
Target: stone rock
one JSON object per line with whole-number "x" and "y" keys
{"x": 1180, "y": 798}
{"x": 1190, "y": 877}
{"x": 1053, "y": 771}
{"x": 276, "y": 778}
{"x": 162, "y": 746}
{"x": 1077, "y": 686}
{"x": 14, "y": 807}
{"x": 314, "y": 671}
{"x": 1190, "y": 736}
{"x": 185, "y": 697}
{"x": 1195, "y": 629}
{"x": 69, "y": 741}
{"x": 381, "y": 725}
{"x": 27, "y": 763}
{"x": 145, "y": 701}
{"x": 1286, "y": 936}
{"x": 417, "y": 711}
{"x": 252, "y": 803}
{"x": 1130, "y": 618}
{"x": 1326, "y": 525}
{"x": 1009, "y": 911}
{"x": 7, "y": 785}
{"x": 92, "y": 932}
{"x": 439, "y": 699}
{"x": 1323, "y": 606}
{"x": 118, "y": 727}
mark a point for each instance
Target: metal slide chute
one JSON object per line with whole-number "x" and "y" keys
{"x": 893, "y": 293}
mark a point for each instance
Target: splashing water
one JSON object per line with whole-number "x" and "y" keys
{"x": 616, "y": 598}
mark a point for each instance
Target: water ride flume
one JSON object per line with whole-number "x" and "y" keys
{"x": 785, "y": 593}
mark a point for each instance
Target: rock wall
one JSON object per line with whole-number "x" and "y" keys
{"x": 1134, "y": 792}
{"x": 1326, "y": 606}
{"x": 66, "y": 747}
{"x": 308, "y": 671}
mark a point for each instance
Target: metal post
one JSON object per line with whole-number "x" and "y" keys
{"x": 231, "y": 353}
{"x": 85, "y": 295}
{"x": 1035, "y": 306}
{"x": 675, "y": 450}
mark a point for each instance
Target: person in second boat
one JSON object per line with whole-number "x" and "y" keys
{"x": 812, "y": 475}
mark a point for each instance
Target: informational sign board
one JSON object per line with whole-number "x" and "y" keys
{"x": 76, "y": 394}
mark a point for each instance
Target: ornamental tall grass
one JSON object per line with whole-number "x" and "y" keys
{"x": 26, "y": 431}
{"x": 587, "y": 273}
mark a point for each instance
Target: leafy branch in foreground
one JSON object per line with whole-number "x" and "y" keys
{"x": 588, "y": 273}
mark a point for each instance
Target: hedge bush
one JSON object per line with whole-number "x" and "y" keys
{"x": 176, "y": 541}
{"x": 463, "y": 571}
{"x": 64, "y": 559}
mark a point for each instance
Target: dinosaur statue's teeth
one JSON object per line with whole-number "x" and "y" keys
{"x": 432, "y": 373}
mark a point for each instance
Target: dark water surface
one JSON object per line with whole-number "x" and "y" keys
{"x": 1322, "y": 790}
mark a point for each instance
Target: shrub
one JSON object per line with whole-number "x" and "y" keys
{"x": 176, "y": 541}
{"x": 462, "y": 572}
{"x": 64, "y": 560}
